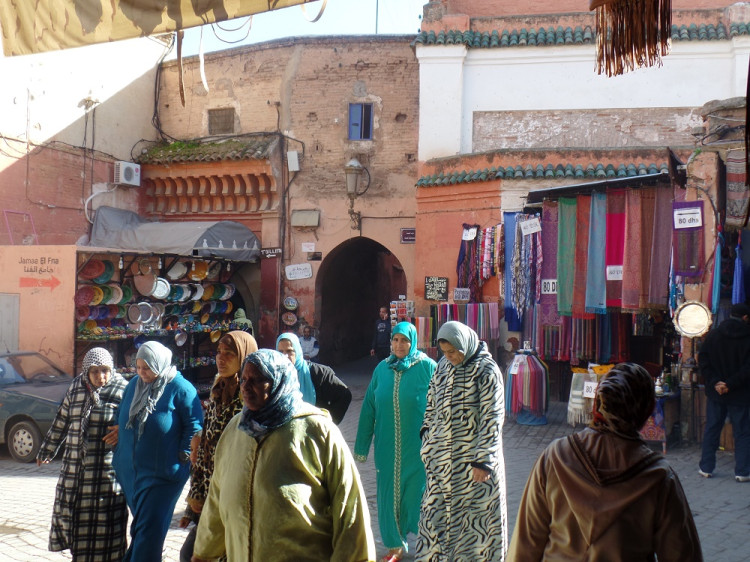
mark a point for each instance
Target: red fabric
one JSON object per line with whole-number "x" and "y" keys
{"x": 632, "y": 263}
{"x": 615, "y": 247}
{"x": 583, "y": 218}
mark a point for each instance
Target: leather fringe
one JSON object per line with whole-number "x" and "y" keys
{"x": 631, "y": 34}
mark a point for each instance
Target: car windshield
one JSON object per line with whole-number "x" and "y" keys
{"x": 26, "y": 368}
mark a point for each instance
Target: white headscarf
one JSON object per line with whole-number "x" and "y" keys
{"x": 158, "y": 358}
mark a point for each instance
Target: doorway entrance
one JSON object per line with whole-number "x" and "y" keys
{"x": 353, "y": 282}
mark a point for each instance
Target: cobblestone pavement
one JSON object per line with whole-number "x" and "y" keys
{"x": 720, "y": 505}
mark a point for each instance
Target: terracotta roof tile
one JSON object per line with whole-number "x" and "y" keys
{"x": 540, "y": 171}
{"x": 243, "y": 148}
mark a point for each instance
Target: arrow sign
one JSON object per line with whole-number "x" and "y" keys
{"x": 26, "y": 282}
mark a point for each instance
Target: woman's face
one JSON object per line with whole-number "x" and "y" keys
{"x": 227, "y": 360}
{"x": 400, "y": 345}
{"x": 454, "y": 356}
{"x": 99, "y": 375}
{"x": 256, "y": 388}
{"x": 286, "y": 347}
{"x": 146, "y": 374}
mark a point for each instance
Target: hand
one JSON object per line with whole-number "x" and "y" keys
{"x": 372, "y": 352}
{"x": 184, "y": 522}
{"x": 195, "y": 505}
{"x": 479, "y": 475}
{"x": 194, "y": 444}
{"x": 112, "y": 437}
{"x": 721, "y": 387}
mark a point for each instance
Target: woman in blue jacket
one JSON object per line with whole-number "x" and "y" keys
{"x": 159, "y": 414}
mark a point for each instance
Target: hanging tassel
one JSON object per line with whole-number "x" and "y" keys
{"x": 631, "y": 34}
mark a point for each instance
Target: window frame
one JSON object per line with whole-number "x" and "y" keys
{"x": 360, "y": 121}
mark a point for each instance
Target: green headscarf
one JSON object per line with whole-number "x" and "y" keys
{"x": 414, "y": 356}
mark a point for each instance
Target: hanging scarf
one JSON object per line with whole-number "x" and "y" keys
{"x": 658, "y": 282}
{"x": 615, "y": 247}
{"x": 687, "y": 243}
{"x": 225, "y": 388}
{"x": 596, "y": 282}
{"x": 303, "y": 370}
{"x": 100, "y": 357}
{"x": 284, "y": 399}
{"x": 158, "y": 358}
{"x": 632, "y": 264}
{"x": 413, "y": 357}
{"x": 511, "y": 317}
{"x": 467, "y": 264}
{"x": 738, "y": 283}
{"x": 566, "y": 244}
{"x": 583, "y": 218}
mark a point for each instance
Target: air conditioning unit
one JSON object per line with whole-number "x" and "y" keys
{"x": 127, "y": 173}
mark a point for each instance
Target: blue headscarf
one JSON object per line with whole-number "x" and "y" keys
{"x": 303, "y": 371}
{"x": 284, "y": 399}
{"x": 414, "y": 356}
{"x": 158, "y": 358}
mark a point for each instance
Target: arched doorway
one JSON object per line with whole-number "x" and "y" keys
{"x": 353, "y": 282}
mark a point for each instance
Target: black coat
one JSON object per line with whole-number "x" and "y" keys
{"x": 330, "y": 391}
{"x": 725, "y": 356}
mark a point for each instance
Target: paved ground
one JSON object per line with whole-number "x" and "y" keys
{"x": 721, "y": 506}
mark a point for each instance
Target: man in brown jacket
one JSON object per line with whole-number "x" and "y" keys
{"x": 602, "y": 494}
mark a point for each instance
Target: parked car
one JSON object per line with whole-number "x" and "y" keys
{"x": 31, "y": 390}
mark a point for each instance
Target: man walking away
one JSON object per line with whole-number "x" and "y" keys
{"x": 724, "y": 361}
{"x": 381, "y": 341}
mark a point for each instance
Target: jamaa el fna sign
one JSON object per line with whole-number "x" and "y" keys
{"x": 36, "y": 26}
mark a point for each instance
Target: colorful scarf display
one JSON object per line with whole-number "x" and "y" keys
{"x": 658, "y": 282}
{"x": 632, "y": 263}
{"x": 738, "y": 194}
{"x": 527, "y": 389}
{"x": 615, "y": 247}
{"x": 511, "y": 317}
{"x": 467, "y": 264}
{"x": 596, "y": 297}
{"x": 566, "y": 244}
{"x": 483, "y": 318}
{"x": 583, "y": 220}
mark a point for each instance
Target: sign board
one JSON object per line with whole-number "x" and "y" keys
{"x": 270, "y": 252}
{"x": 308, "y": 246}
{"x": 549, "y": 286}
{"x": 298, "y": 271}
{"x": 614, "y": 273}
{"x": 589, "y": 389}
{"x": 531, "y": 226}
{"x": 516, "y": 364}
{"x": 461, "y": 294}
{"x": 408, "y": 235}
{"x": 469, "y": 233}
{"x": 436, "y": 288}
{"x": 691, "y": 217}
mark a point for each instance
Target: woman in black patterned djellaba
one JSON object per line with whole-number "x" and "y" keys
{"x": 225, "y": 403}
{"x": 464, "y": 515}
{"x": 90, "y": 515}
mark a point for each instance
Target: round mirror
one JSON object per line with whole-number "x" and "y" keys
{"x": 692, "y": 319}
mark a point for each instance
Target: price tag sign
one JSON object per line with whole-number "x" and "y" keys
{"x": 589, "y": 389}
{"x": 692, "y": 217}
{"x": 469, "y": 233}
{"x": 549, "y": 286}
{"x": 614, "y": 273}
{"x": 308, "y": 246}
{"x": 461, "y": 294}
{"x": 516, "y": 364}
{"x": 298, "y": 271}
{"x": 531, "y": 226}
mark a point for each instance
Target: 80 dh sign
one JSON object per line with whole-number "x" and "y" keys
{"x": 549, "y": 286}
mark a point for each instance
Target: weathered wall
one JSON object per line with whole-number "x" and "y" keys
{"x": 304, "y": 87}
{"x": 591, "y": 128}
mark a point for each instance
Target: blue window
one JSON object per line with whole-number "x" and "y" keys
{"x": 360, "y": 121}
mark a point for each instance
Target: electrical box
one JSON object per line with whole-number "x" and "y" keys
{"x": 292, "y": 159}
{"x": 127, "y": 173}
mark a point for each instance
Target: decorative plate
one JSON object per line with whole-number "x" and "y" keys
{"x": 289, "y": 318}
{"x": 290, "y": 303}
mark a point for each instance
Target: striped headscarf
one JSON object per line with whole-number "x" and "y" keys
{"x": 284, "y": 399}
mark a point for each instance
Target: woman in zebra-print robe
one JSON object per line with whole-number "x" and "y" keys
{"x": 464, "y": 515}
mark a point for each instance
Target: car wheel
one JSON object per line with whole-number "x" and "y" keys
{"x": 24, "y": 441}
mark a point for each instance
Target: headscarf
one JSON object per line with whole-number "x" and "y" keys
{"x": 225, "y": 388}
{"x": 303, "y": 371}
{"x": 100, "y": 357}
{"x": 284, "y": 399}
{"x": 460, "y": 336}
{"x": 158, "y": 358}
{"x": 624, "y": 401}
{"x": 414, "y": 356}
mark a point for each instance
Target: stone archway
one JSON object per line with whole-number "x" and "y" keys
{"x": 353, "y": 282}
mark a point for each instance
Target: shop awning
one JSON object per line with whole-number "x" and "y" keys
{"x": 616, "y": 183}
{"x": 128, "y": 231}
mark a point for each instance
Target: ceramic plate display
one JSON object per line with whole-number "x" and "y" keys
{"x": 144, "y": 267}
{"x": 186, "y": 293}
{"x": 216, "y": 336}
{"x": 198, "y": 291}
{"x": 98, "y": 295}
{"x": 162, "y": 289}
{"x": 692, "y": 319}
{"x": 93, "y": 268}
{"x": 145, "y": 284}
{"x": 208, "y": 292}
{"x": 117, "y": 294}
{"x": 214, "y": 271}
{"x": 147, "y": 313}
{"x": 177, "y": 271}
{"x": 290, "y": 303}
{"x": 289, "y": 318}
{"x": 180, "y": 338}
{"x": 229, "y": 290}
{"x": 198, "y": 271}
{"x": 134, "y": 314}
{"x": 107, "y": 292}
{"x": 127, "y": 294}
{"x": 82, "y": 312}
{"x": 109, "y": 270}
{"x": 84, "y": 295}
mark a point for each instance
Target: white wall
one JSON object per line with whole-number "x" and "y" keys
{"x": 536, "y": 78}
{"x": 41, "y": 95}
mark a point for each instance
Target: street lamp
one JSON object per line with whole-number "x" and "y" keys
{"x": 353, "y": 171}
